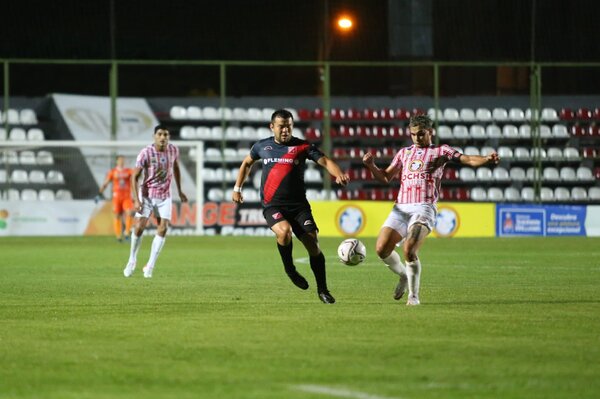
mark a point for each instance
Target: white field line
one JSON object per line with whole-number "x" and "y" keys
{"x": 337, "y": 392}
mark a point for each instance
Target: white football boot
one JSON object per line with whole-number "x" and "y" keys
{"x": 413, "y": 300}
{"x": 148, "y": 271}
{"x": 128, "y": 271}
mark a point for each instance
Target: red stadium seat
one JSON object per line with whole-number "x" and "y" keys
{"x": 391, "y": 194}
{"x": 317, "y": 113}
{"x": 312, "y": 134}
{"x": 584, "y": 114}
{"x": 365, "y": 174}
{"x": 337, "y": 114}
{"x": 353, "y": 114}
{"x": 588, "y": 152}
{"x": 387, "y": 114}
{"x": 379, "y": 132}
{"x": 593, "y": 130}
{"x": 597, "y": 173}
{"x": 370, "y": 114}
{"x": 346, "y": 131}
{"x": 304, "y": 114}
{"x": 450, "y": 174}
{"x": 377, "y": 194}
{"x": 340, "y": 153}
{"x": 566, "y": 114}
{"x": 343, "y": 194}
{"x": 387, "y": 152}
{"x": 418, "y": 111}
{"x": 596, "y": 114}
{"x": 363, "y": 131}
{"x": 445, "y": 194}
{"x": 462, "y": 194}
{"x": 360, "y": 195}
{"x": 578, "y": 131}
{"x": 402, "y": 114}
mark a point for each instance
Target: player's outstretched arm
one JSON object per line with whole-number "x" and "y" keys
{"x": 477, "y": 160}
{"x": 242, "y": 176}
{"x": 334, "y": 170}
{"x": 383, "y": 176}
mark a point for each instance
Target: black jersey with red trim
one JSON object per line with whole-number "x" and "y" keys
{"x": 283, "y": 169}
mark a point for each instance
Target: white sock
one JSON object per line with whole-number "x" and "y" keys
{"x": 413, "y": 270}
{"x": 157, "y": 245}
{"x": 394, "y": 263}
{"x": 136, "y": 242}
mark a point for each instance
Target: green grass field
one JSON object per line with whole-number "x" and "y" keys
{"x": 500, "y": 318}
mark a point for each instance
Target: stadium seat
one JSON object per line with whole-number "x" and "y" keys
{"x": 562, "y": 194}
{"x": 510, "y": 132}
{"x": 554, "y": 154}
{"x": 444, "y": 132}
{"x": 230, "y": 155}
{"x": 63, "y": 195}
{"x": 3, "y": 177}
{"x": 470, "y": 150}
{"x": 516, "y": 115}
{"x": 505, "y": 152}
{"x": 249, "y": 133}
{"x": 478, "y": 194}
{"x": 254, "y": 114}
{"x": 589, "y": 152}
{"x": 462, "y": 194}
{"x": 216, "y": 133}
{"x": 493, "y": 131}
{"x": 233, "y": 133}
{"x": 485, "y": 150}
{"x": 55, "y": 177}
{"x": 566, "y": 114}
{"x": 521, "y": 153}
{"x": 594, "y": 193}
{"x": 483, "y": 115}
{"x": 545, "y": 132}
{"x": 370, "y": 114}
{"x": 11, "y": 117}
{"x": 546, "y": 194}
{"x": 477, "y": 132}
{"x": 193, "y": 112}
{"x": 501, "y": 174}
{"x": 527, "y": 194}
{"x": 12, "y": 194}
{"x": 567, "y": 174}
{"x": 436, "y": 114}
{"x": 45, "y": 158}
{"x": 241, "y": 114}
{"x": 215, "y": 195}
{"x": 178, "y": 112}
{"x": 17, "y": 134}
{"x": 571, "y": 154}
{"x": 242, "y": 152}
{"x": 517, "y": 174}
{"x": 451, "y": 115}
{"x": 549, "y": 115}
{"x": 187, "y": 133}
{"x": 402, "y": 114}
{"x": 500, "y": 115}
{"x": 212, "y": 154}
{"x": 512, "y": 194}
{"x": 560, "y": 131}
{"x": 583, "y": 114}
{"x": 460, "y": 132}
{"x": 227, "y": 114}
{"x": 27, "y": 116}
{"x": 27, "y": 158}
{"x": 19, "y": 176}
{"x": 263, "y": 133}
{"x": 203, "y": 133}
{"x": 312, "y": 175}
{"x": 484, "y": 174}
{"x": 2, "y": 133}
{"x": 597, "y": 173}
{"x": 450, "y": 174}
{"x": 578, "y": 131}
{"x": 584, "y": 174}
{"x": 541, "y": 152}
{"x": 251, "y": 195}
{"x": 578, "y": 194}
{"x": 35, "y": 134}
{"x": 210, "y": 113}
{"x": 304, "y": 114}
{"x": 531, "y": 173}
{"x": 46, "y": 195}
{"x": 467, "y": 174}
{"x": 525, "y": 131}
{"x": 337, "y": 114}
{"x": 37, "y": 177}
{"x": 495, "y": 194}
{"x": 467, "y": 115}
{"x": 29, "y": 195}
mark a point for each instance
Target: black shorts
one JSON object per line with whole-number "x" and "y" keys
{"x": 299, "y": 217}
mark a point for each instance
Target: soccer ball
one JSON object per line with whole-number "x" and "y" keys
{"x": 352, "y": 252}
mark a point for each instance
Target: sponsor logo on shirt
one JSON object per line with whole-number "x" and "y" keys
{"x": 308, "y": 222}
{"x": 415, "y": 165}
{"x": 277, "y": 216}
{"x": 278, "y": 160}
{"x": 267, "y": 148}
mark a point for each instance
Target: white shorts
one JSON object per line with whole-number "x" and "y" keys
{"x": 161, "y": 207}
{"x": 405, "y": 215}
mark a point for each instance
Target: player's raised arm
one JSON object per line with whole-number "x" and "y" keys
{"x": 478, "y": 160}
{"x": 243, "y": 174}
{"x": 334, "y": 170}
{"x": 383, "y": 176}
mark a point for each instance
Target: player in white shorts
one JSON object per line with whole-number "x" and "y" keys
{"x": 158, "y": 163}
{"x": 420, "y": 168}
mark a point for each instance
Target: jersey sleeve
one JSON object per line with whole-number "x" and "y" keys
{"x": 450, "y": 153}
{"x": 397, "y": 160}
{"x": 142, "y": 159}
{"x": 314, "y": 153}
{"x": 254, "y": 152}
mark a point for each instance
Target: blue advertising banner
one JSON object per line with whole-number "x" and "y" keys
{"x": 515, "y": 220}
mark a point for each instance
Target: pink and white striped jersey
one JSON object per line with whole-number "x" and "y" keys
{"x": 420, "y": 172}
{"x": 158, "y": 170}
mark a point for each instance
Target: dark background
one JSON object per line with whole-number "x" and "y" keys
{"x": 267, "y": 30}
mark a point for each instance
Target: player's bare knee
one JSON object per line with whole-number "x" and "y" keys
{"x": 382, "y": 251}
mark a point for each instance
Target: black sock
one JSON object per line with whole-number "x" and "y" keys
{"x": 285, "y": 251}
{"x": 317, "y": 264}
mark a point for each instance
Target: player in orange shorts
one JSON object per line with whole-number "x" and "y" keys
{"x": 120, "y": 177}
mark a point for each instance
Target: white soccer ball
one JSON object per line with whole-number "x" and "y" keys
{"x": 352, "y": 252}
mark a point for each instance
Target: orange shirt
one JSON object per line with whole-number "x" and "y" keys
{"x": 121, "y": 182}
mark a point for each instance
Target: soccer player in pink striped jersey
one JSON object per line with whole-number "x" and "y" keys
{"x": 420, "y": 168}
{"x": 159, "y": 164}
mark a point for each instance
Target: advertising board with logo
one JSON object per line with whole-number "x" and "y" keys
{"x": 540, "y": 220}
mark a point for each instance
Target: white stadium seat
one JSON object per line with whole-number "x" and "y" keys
{"x": 499, "y": 115}
{"x": 512, "y": 194}
{"x": 484, "y": 174}
{"x": 451, "y": 115}
{"x": 210, "y": 113}
{"x": 516, "y": 115}
{"x": 483, "y": 115}
{"x": 29, "y": 195}
{"x": 466, "y": 174}
{"x": 477, "y": 132}
{"x": 45, "y": 158}
{"x": 239, "y": 114}
{"x": 510, "y": 132}
{"x": 471, "y": 150}
{"x": 17, "y": 134}
{"x": 517, "y": 174}
{"x": 560, "y": 131}
{"x": 436, "y": 114}
{"x": 578, "y": 194}
{"x": 478, "y": 194}
{"x": 594, "y": 193}
{"x": 27, "y": 158}
{"x": 178, "y": 112}
{"x": 63, "y": 195}
{"x": 521, "y": 153}
{"x": 46, "y": 195}
{"x": 584, "y": 174}
{"x": 495, "y": 194}
{"x": 501, "y": 174}
{"x": 546, "y": 194}
{"x": 35, "y": 134}
{"x": 562, "y": 194}
{"x": 460, "y": 132}
{"x": 554, "y": 154}
{"x": 505, "y": 152}
{"x": 467, "y": 115}
{"x": 37, "y": 177}
{"x": 444, "y": 132}
{"x": 203, "y": 133}
{"x": 567, "y": 174}
{"x": 541, "y": 152}
{"x": 27, "y": 116}
{"x": 187, "y": 132}
{"x": 194, "y": 112}
{"x": 55, "y": 177}
{"x": 571, "y": 154}
{"x": 19, "y": 176}
{"x": 493, "y": 131}
{"x": 527, "y": 194}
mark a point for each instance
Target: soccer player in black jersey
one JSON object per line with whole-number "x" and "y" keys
{"x": 283, "y": 195}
